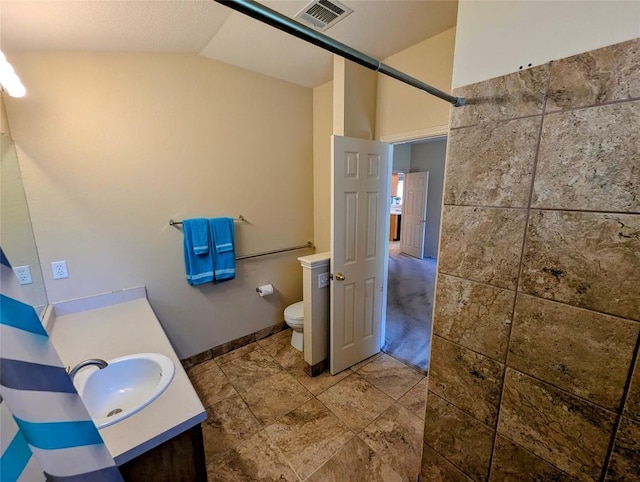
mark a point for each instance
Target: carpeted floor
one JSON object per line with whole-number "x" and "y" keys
{"x": 409, "y": 307}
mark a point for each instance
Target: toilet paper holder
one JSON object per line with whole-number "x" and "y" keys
{"x": 265, "y": 290}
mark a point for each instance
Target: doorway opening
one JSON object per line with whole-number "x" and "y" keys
{"x": 416, "y": 205}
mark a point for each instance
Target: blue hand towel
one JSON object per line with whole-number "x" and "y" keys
{"x": 199, "y": 235}
{"x": 224, "y": 258}
{"x": 199, "y": 267}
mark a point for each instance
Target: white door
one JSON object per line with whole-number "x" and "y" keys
{"x": 414, "y": 213}
{"x": 359, "y": 247}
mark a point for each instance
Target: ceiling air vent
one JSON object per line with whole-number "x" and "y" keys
{"x": 323, "y": 14}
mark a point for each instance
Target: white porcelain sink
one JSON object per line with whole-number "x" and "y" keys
{"x": 125, "y": 386}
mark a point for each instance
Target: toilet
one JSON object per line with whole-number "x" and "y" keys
{"x": 294, "y": 317}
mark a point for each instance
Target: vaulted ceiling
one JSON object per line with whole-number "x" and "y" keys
{"x": 209, "y": 29}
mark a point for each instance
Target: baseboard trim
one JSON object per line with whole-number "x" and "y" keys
{"x": 317, "y": 369}
{"x": 232, "y": 345}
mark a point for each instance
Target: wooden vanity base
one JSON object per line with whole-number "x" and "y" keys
{"x": 180, "y": 459}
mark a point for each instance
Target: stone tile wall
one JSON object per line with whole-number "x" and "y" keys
{"x": 533, "y": 372}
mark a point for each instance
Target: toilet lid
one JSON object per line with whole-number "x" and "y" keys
{"x": 295, "y": 311}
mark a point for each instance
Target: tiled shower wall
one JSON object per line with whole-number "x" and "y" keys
{"x": 537, "y": 310}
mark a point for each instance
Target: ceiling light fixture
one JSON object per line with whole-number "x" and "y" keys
{"x": 9, "y": 80}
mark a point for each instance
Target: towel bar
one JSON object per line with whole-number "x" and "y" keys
{"x": 239, "y": 218}
{"x": 308, "y": 244}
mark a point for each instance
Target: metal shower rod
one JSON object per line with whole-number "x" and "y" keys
{"x": 281, "y": 22}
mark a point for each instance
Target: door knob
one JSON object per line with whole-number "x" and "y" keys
{"x": 339, "y": 276}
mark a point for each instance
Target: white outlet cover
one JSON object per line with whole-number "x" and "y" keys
{"x": 59, "y": 269}
{"x": 323, "y": 280}
{"x": 23, "y": 273}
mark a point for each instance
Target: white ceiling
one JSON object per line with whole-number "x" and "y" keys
{"x": 204, "y": 27}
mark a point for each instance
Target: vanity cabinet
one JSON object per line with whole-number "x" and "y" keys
{"x": 394, "y": 227}
{"x": 180, "y": 459}
{"x": 162, "y": 441}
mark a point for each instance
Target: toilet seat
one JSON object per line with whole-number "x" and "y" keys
{"x": 294, "y": 313}
{"x": 294, "y": 318}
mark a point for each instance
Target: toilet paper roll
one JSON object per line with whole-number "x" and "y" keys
{"x": 265, "y": 290}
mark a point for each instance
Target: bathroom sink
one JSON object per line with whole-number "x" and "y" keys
{"x": 125, "y": 386}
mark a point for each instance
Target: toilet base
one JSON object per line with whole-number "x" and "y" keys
{"x": 297, "y": 340}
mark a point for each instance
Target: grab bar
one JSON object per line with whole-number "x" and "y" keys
{"x": 276, "y": 251}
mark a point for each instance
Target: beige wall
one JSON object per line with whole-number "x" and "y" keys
{"x": 114, "y": 145}
{"x": 4, "y": 123}
{"x": 496, "y": 37}
{"x": 404, "y": 112}
{"x": 354, "y": 99}
{"x": 322, "y": 131}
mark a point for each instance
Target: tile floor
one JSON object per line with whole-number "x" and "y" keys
{"x": 268, "y": 420}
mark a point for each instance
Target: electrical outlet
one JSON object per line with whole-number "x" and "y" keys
{"x": 59, "y": 269}
{"x": 23, "y": 273}
{"x": 323, "y": 280}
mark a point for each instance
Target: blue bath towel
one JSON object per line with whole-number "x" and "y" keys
{"x": 198, "y": 262}
{"x": 224, "y": 258}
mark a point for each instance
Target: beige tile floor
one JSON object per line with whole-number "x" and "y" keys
{"x": 268, "y": 420}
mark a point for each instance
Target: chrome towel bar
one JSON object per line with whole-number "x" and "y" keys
{"x": 239, "y": 218}
{"x": 308, "y": 244}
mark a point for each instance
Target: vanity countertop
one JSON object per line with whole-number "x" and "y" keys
{"x": 123, "y": 329}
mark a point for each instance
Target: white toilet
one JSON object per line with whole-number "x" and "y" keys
{"x": 294, "y": 317}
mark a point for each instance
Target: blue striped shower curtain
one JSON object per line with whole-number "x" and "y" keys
{"x": 53, "y": 425}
